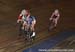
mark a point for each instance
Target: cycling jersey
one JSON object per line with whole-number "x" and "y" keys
{"x": 54, "y": 16}
{"x": 29, "y": 20}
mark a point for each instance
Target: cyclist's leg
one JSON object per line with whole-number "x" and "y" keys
{"x": 33, "y": 25}
{"x": 55, "y": 21}
{"x": 24, "y": 24}
{"x": 33, "y": 28}
{"x": 25, "y": 30}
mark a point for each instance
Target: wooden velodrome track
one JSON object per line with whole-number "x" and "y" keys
{"x": 10, "y": 9}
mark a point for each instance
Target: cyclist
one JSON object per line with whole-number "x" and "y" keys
{"x": 27, "y": 20}
{"x": 54, "y": 17}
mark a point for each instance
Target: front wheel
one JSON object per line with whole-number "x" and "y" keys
{"x": 51, "y": 25}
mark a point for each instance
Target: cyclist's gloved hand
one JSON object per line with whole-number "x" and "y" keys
{"x": 17, "y": 21}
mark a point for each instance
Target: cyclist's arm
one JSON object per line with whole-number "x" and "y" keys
{"x": 58, "y": 16}
{"x": 28, "y": 15}
{"x": 51, "y": 16}
{"x": 19, "y": 18}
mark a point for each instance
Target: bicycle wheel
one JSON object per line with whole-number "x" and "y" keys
{"x": 51, "y": 25}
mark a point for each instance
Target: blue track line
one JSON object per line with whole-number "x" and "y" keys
{"x": 51, "y": 42}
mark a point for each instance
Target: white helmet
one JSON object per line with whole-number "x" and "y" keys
{"x": 23, "y": 12}
{"x": 56, "y": 11}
